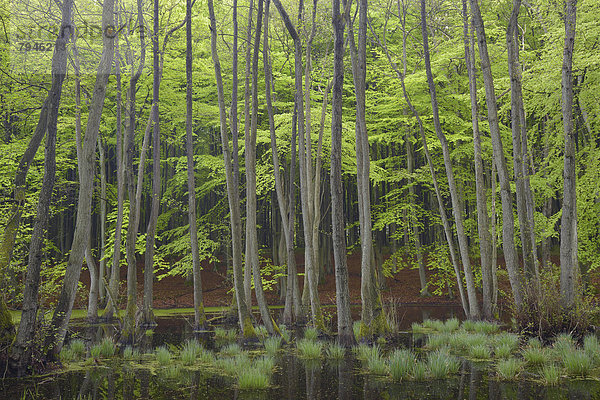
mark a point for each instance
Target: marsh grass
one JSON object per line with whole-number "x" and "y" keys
{"x": 363, "y": 351}
{"x": 480, "y": 352}
{"x": 503, "y": 351}
{"x": 438, "y": 340}
{"x": 311, "y": 333}
{"x": 450, "y": 325}
{"x": 253, "y": 379}
{"x": 534, "y": 343}
{"x": 264, "y": 364}
{"x": 205, "y": 356}
{"x": 77, "y": 346}
{"x": 309, "y": 348}
{"x": 468, "y": 325}
{"x": 563, "y": 345}
{"x": 285, "y": 333}
{"x": 400, "y": 364}
{"x": 335, "y": 351}
{"x": 261, "y": 332}
{"x": 272, "y": 345}
{"x": 509, "y": 369}
{"x": 173, "y": 372}
{"x": 419, "y": 371}
{"x": 189, "y": 352}
{"x": 441, "y": 364}
{"x": 550, "y": 374}
{"x": 234, "y": 365}
{"x": 67, "y": 355}
{"x": 507, "y": 339}
{"x": 163, "y": 355}
{"x": 130, "y": 353}
{"x": 486, "y": 327}
{"x": 232, "y": 349}
{"x": 376, "y": 364}
{"x": 356, "y": 329}
{"x": 225, "y": 335}
{"x": 591, "y": 346}
{"x": 417, "y": 327}
{"x": 577, "y": 363}
{"x": 535, "y": 356}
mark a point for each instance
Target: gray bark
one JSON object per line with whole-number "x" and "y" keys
{"x": 456, "y": 206}
{"x": 568, "y": 225}
{"x": 62, "y": 313}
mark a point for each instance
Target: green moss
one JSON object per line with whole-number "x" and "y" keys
{"x": 248, "y": 328}
{"x": 7, "y": 328}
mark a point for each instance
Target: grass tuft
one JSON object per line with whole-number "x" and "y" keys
{"x": 577, "y": 363}
{"x": 163, "y": 355}
{"x": 311, "y": 333}
{"x": 77, "y": 346}
{"x": 363, "y": 351}
{"x": 253, "y": 379}
{"x": 272, "y": 345}
{"x": 309, "y": 348}
{"x": 480, "y": 352}
{"x": 376, "y": 364}
{"x": 441, "y": 364}
{"x": 401, "y": 363}
{"x": 503, "y": 351}
{"x": 563, "y": 345}
{"x": 508, "y": 339}
{"x": 190, "y": 351}
{"x": 438, "y": 340}
{"x": 486, "y": 328}
{"x": 591, "y": 346}
{"x": 335, "y": 351}
{"x": 232, "y": 349}
{"x": 509, "y": 369}
{"x": 419, "y": 371}
{"x": 450, "y": 325}
{"x": 265, "y": 364}
{"x": 535, "y": 356}
{"x": 551, "y": 374}
{"x": 285, "y": 333}
{"x": 261, "y": 332}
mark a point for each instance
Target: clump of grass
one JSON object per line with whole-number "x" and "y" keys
{"x": 438, "y": 340}
{"x": 486, "y": 327}
{"x": 130, "y": 353}
{"x": 550, "y": 374}
{"x": 253, "y": 379}
{"x": 450, "y": 325}
{"x": 480, "y": 352}
{"x": 265, "y": 364}
{"x": 441, "y": 364}
{"x": 225, "y": 335}
{"x": 163, "y": 355}
{"x": 335, "y": 351}
{"x": 231, "y": 349}
{"x": 67, "y": 354}
{"x": 272, "y": 345}
{"x": 190, "y": 352}
{"x": 234, "y": 365}
{"x": 510, "y": 340}
{"x": 577, "y": 363}
{"x": 563, "y": 345}
{"x": 309, "y": 348}
{"x": 285, "y": 333}
{"x": 376, "y": 364}
{"x": 419, "y": 371}
{"x": 261, "y": 332}
{"x": 105, "y": 349}
{"x": 356, "y": 329}
{"x": 433, "y": 324}
{"x": 535, "y": 356}
{"x": 77, "y": 346}
{"x": 401, "y": 363}
{"x": 468, "y": 325}
{"x": 311, "y": 333}
{"x": 591, "y": 346}
{"x": 509, "y": 369}
{"x": 172, "y": 372}
{"x": 363, "y": 351}
{"x": 503, "y": 351}
{"x": 417, "y": 327}
{"x": 205, "y": 356}
{"x": 534, "y": 343}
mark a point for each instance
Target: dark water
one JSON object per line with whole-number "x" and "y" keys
{"x": 293, "y": 379}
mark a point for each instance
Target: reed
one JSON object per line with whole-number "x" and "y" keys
{"x": 401, "y": 363}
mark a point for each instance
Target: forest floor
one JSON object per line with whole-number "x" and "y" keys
{"x": 176, "y": 292}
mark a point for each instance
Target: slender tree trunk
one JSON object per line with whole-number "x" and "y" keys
{"x": 102, "y": 262}
{"x": 456, "y": 207}
{"x": 483, "y": 220}
{"x": 92, "y": 312}
{"x": 148, "y": 315}
{"x": 568, "y": 225}
{"x": 345, "y": 333}
{"x": 62, "y": 313}
{"x": 199, "y": 315}
{"x": 21, "y": 351}
{"x": 510, "y": 254}
{"x": 232, "y": 187}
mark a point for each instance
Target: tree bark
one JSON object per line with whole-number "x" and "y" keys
{"x": 456, "y": 207}
{"x": 62, "y": 313}
{"x": 568, "y": 225}
{"x": 199, "y": 315}
{"x": 344, "y": 319}
{"x": 508, "y": 229}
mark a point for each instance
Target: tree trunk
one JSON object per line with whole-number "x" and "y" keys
{"x": 456, "y": 207}
{"x": 199, "y": 315}
{"x": 568, "y": 225}
{"x": 232, "y": 186}
{"x": 102, "y": 262}
{"x": 510, "y": 254}
{"x": 483, "y": 220}
{"x": 62, "y": 313}
{"x": 344, "y": 319}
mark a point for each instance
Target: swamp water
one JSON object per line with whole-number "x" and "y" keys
{"x": 293, "y": 377}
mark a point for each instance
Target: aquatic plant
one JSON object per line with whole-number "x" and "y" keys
{"x": 190, "y": 352}
{"x": 311, "y": 333}
{"x": 261, "y": 332}
{"x": 509, "y": 369}
{"x": 535, "y": 356}
{"x": 400, "y": 364}
{"x": 234, "y": 365}
{"x": 438, "y": 340}
{"x": 417, "y": 327}
{"x": 376, "y": 364}
{"x": 231, "y": 349}
{"x": 507, "y": 339}
{"x": 550, "y": 374}
{"x": 253, "y": 379}
{"x": 172, "y": 372}
{"x": 563, "y": 344}
{"x": 67, "y": 354}
{"x": 363, "y": 351}
{"x": 419, "y": 371}
{"x": 450, "y": 325}
{"x": 205, "y": 356}
{"x": 440, "y": 364}
{"x": 77, "y": 346}
{"x": 272, "y": 345}
{"x": 335, "y": 351}
{"x": 534, "y": 343}
{"x": 356, "y": 330}
{"x": 577, "y": 363}
{"x": 130, "y": 353}
{"x": 591, "y": 346}
{"x": 468, "y": 325}
{"x": 285, "y": 333}
{"x": 309, "y": 348}
{"x": 486, "y": 327}
{"x": 220, "y": 333}
{"x": 265, "y": 364}
{"x": 480, "y": 352}
{"x": 163, "y": 355}
{"x": 503, "y": 351}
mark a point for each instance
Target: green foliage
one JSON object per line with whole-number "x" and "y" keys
{"x": 309, "y": 348}
{"x": 105, "y": 349}
{"x": 272, "y": 345}
{"x": 376, "y": 364}
{"x": 550, "y": 374}
{"x": 311, "y": 333}
{"x": 480, "y": 352}
{"x": 577, "y": 363}
{"x": 401, "y": 363}
{"x": 163, "y": 355}
{"x": 335, "y": 351}
{"x": 509, "y": 369}
{"x": 440, "y": 364}
{"x": 231, "y": 349}
{"x": 190, "y": 352}
{"x": 535, "y": 357}
{"x": 253, "y": 379}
